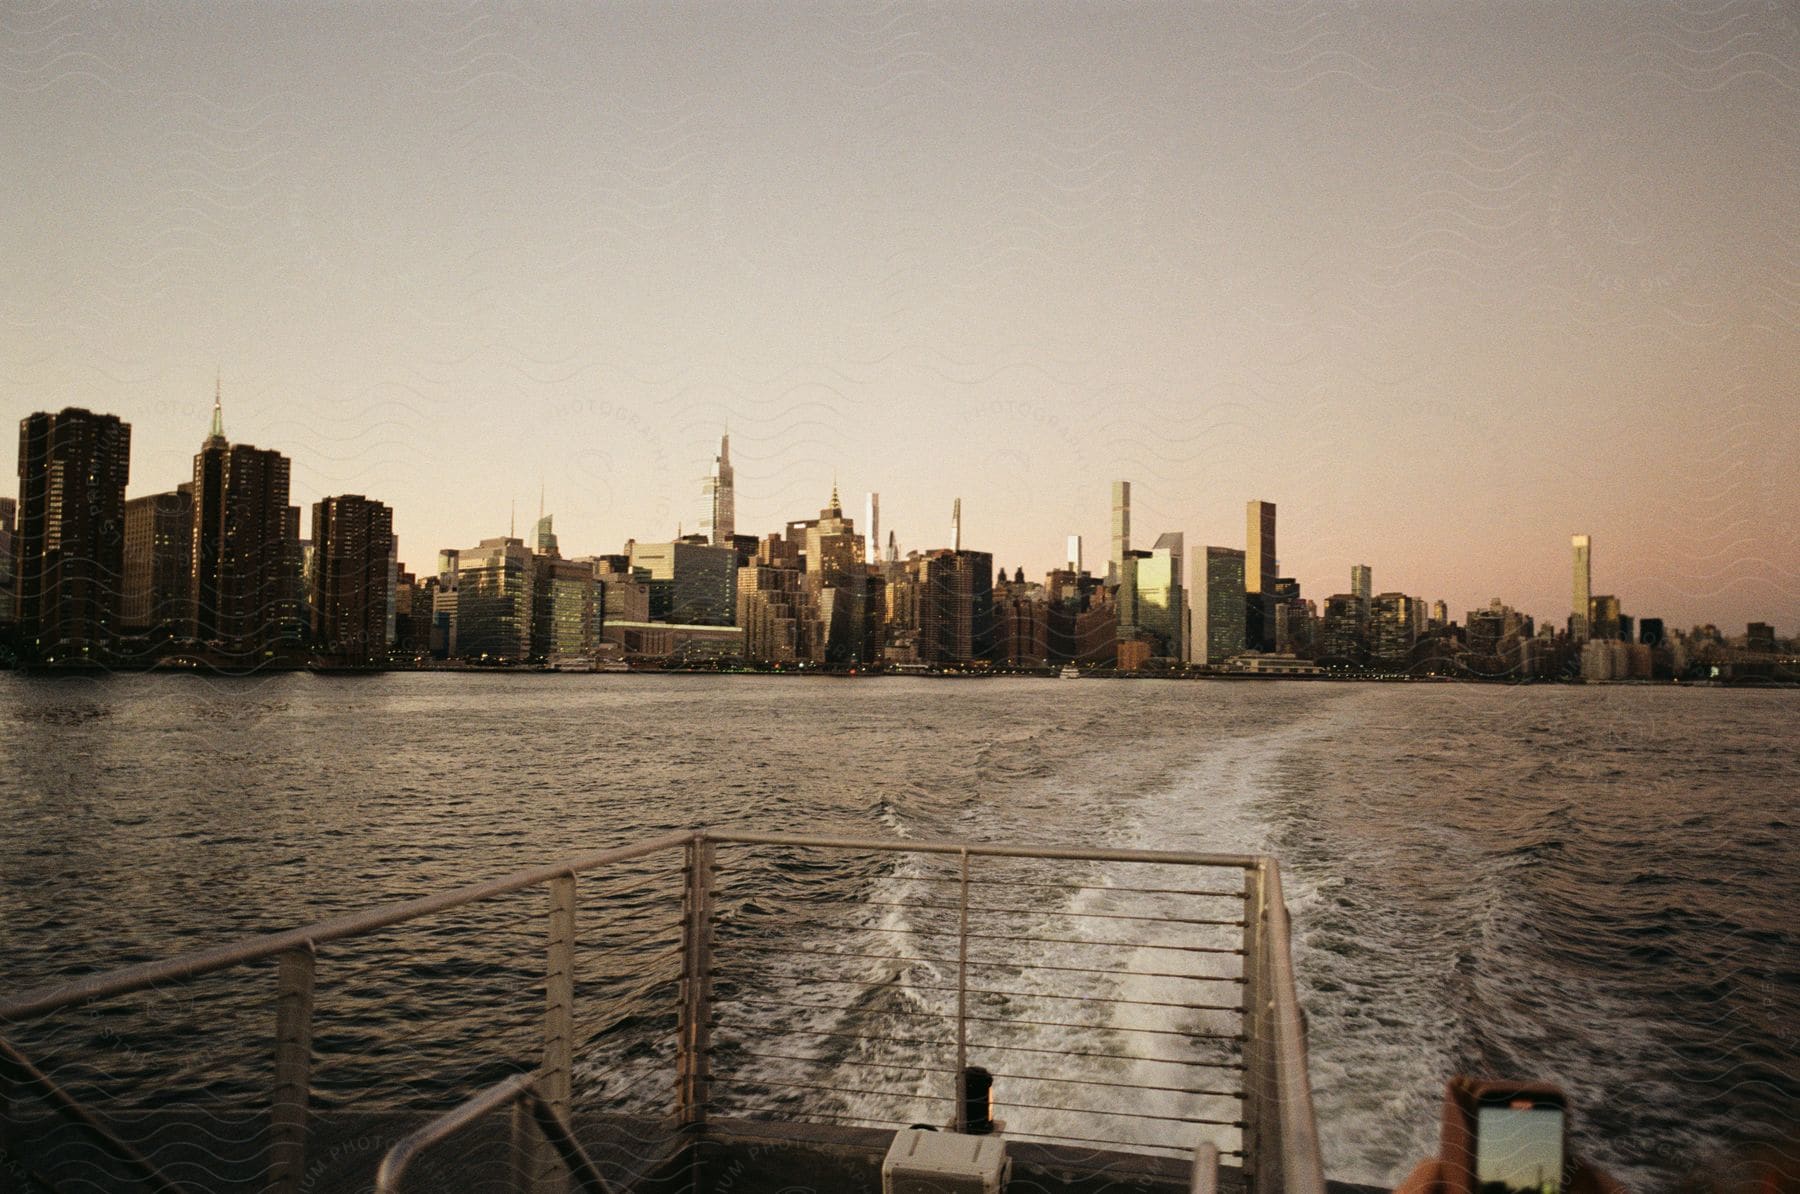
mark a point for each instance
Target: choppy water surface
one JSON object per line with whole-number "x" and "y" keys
{"x": 1594, "y": 885}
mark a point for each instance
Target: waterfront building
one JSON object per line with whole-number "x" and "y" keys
{"x": 1161, "y": 599}
{"x": 1121, "y": 531}
{"x": 159, "y": 533}
{"x": 956, "y": 608}
{"x": 493, "y": 607}
{"x": 1604, "y": 617}
{"x": 1296, "y": 628}
{"x": 1260, "y": 571}
{"x": 1582, "y": 547}
{"x": 720, "y": 523}
{"x": 1650, "y": 631}
{"x": 248, "y": 572}
{"x": 1219, "y": 609}
{"x": 1125, "y": 595}
{"x": 770, "y": 611}
{"x": 444, "y": 595}
{"x": 70, "y": 541}
{"x": 691, "y": 583}
{"x": 9, "y": 521}
{"x": 1134, "y": 655}
{"x": 1391, "y": 634}
{"x": 412, "y": 615}
{"x": 566, "y": 608}
{"x": 1341, "y": 629}
{"x": 1278, "y": 664}
{"x": 353, "y": 546}
{"x": 1759, "y": 636}
{"x": 851, "y": 613}
{"x": 1021, "y": 622}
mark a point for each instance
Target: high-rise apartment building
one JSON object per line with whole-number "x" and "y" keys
{"x": 956, "y": 608}
{"x": 566, "y": 608}
{"x": 1074, "y": 553}
{"x": 1218, "y": 604}
{"x": 720, "y": 524}
{"x": 1391, "y": 628}
{"x": 9, "y": 525}
{"x": 73, "y": 466}
{"x": 247, "y": 574}
{"x": 1341, "y": 628}
{"x": 159, "y": 544}
{"x": 1260, "y": 571}
{"x": 353, "y": 543}
{"x": 1584, "y": 586}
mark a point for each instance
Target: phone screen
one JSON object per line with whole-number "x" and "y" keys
{"x": 1519, "y": 1146}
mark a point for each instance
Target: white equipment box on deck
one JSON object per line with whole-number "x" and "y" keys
{"x": 920, "y": 1162}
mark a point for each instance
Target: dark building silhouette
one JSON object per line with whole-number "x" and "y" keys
{"x": 245, "y": 548}
{"x": 159, "y": 544}
{"x": 353, "y": 538}
{"x": 956, "y": 608}
{"x": 71, "y": 536}
{"x": 9, "y": 525}
{"x": 1650, "y": 632}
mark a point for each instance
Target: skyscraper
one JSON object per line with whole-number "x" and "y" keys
{"x": 1260, "y": 570}
{"x": 1074, "y": 554}
{"x": 872, "y": 526}
{"x": 1584, "y": 586}
{"x": 245, "y": 569}
{"x": 1121, "y": 531}
{"x": 720, "y": 524}
{"x": 71, "y": 537}
{"x": 159, "y": 540}
{"x": 9, "y": 524}
{"x": 1161, "y": 610}
{"x": 956, "y": 525}
{"x": 353, "y": 540}
{"x": 1361, "y": 583}
{"x": 543, "y": 536}
{"x": 1219, "y": 604}
{"x": 956, "y": 608}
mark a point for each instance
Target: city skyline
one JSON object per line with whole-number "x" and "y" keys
{"x": 1443, "y": 318}
{"x": 218, "y": 453}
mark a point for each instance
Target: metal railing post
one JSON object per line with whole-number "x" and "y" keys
{"x": 962, "y": 999}
{"x": 544, "y": 1173}
{"x": 1258, "y": 1095}
{"x": 696, "y": 980}
{"x": 293, "y": 1068}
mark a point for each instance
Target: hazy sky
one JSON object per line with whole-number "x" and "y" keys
{"x": 1446, "y": 282}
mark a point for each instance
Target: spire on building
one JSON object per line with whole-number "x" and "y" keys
{"x": 956, "y": 525}
{"x": 218, "y": 415}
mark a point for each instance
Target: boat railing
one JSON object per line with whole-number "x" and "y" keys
{"x": 1140, "y": 1002}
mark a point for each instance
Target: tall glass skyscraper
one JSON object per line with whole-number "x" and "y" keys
{"x": 720, "y": 524}
{"x": 1218, "y": 604}
{"x": 1584, "y": 587}
{"x": 1260, "y": 571}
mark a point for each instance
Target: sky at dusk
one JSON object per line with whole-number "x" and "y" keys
{"x": 1445, "y": 282}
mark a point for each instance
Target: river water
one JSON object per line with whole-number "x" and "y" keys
{"x": 1594, "y": 885}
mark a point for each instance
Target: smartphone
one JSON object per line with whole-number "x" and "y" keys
{"x": 1519, "y": 1140}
